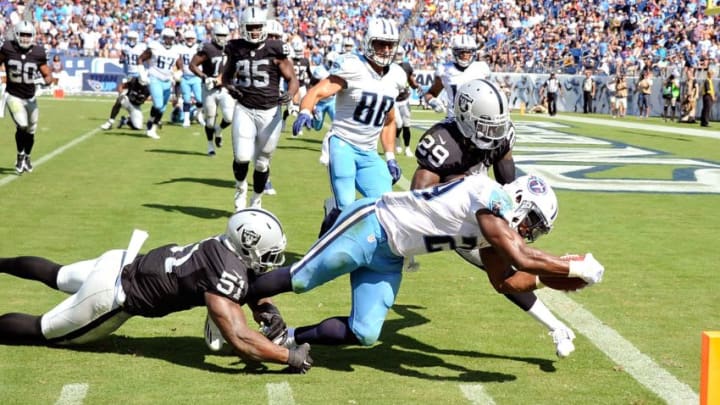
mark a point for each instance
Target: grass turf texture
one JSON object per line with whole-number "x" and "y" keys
{"x": 448, "y": 327}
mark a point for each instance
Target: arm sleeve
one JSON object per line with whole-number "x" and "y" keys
{"x": 504, "y": 171}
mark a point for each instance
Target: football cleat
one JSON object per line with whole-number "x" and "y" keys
{"x": 256, "y": 201}
{"x": 409, "y": 152}
{"x": 218, "y": 139}
{"x": 27, "y": 165}
{"x": 152, "y": 132}
{"x": 211, "y": 149}
{"x": 123, "y": 122}
{"x": 240, "y": 197}
{"x": 398, "y": 149}
{"x": 269, "y": 189}
{"x": 107, "y": 125}
{"x": 19, "y": 163}
{"x": 186, "y": 122}
{"x": 563, "y": 339}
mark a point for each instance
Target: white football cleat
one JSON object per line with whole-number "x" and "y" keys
{"x": 186, "y": 122}
{"x": 213, "y": 338}
{"x": 256, "y": 201}
{"x": 398, "y": 149}
{"x": 152, "y": 132}
{"x": 563, "y": 339}
{"x": 409, "y": 152}
{"x": 107, "y": 125}
{"x": 240, "y": 197}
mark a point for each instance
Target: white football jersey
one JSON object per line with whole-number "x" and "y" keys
{"x": 452, "y": 78}
{"x": 131, "y": 55}
{"x": 441, "y": 217}
{"x": 162, "y": 60}
{"x": 187, "y": 53}
{"x": 361, "y": 107}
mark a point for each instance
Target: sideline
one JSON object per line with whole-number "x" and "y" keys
{"x": 39, "y": 162}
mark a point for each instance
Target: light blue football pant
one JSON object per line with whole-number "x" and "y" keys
{"x": 356, "y": 244}
{"x": 352, "y": 168}
{"x": 160, "y": 91}
{"x": 191, "y": 86}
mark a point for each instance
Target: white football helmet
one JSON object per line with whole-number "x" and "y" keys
{"x": 462, "y": 47}
{"x": 220, "y": 34}
{"x": 381, "y": 30}
{"x": 167, "y": 37}
{"x": 132, "y": 38}
{"x": 348, "y": 45}
{"x": 536, "y": 206}
{"x": 24, "y": 33}
{"x": 274, "y": 29}
{"x": 252, "y": 25}
{"x": 189, "y": 37}
{"x": 482, "y": 113}
{"x": 399, "y": 55}
{"x": 257, "y": 237}
{"x": 298, "y": 49}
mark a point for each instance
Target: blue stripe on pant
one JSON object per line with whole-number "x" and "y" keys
{"x": 357, "y": 244}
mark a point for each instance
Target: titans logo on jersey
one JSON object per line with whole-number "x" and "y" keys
{"x": 452, "y": 77}
{"x": 255, "y": 72}
{"x": 22, "y": 67}
{"x": 214, "y": 62}
{"x": 361, "y": 108}
{"x": 444, "y": 151}
{"x": 174, "y": 278}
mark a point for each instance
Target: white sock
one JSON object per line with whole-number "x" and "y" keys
{"x": 72, "y": 276}
{"x": 542, "y": 314}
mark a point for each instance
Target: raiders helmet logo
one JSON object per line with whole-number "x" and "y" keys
{"x": 464, "y": 102}
{"x": 249, "y": 238}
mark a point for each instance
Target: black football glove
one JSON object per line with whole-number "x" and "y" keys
{"x": 272, "y": 322}
{"x": 285, "y": 98}
{"x": 299, "y": 359}
{"x": 234, "y": 92}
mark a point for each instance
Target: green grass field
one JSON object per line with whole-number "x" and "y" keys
{"x": 449, "y": 339}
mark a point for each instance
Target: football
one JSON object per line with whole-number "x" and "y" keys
{"x": 563, "y": 283}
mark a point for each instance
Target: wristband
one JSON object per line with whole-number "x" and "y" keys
{"x": 306, "y": 112}
{"x": 576, "y": 269}
{"x": 389, "y": 156}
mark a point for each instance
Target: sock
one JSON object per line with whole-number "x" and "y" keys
{"x": 224, "y": 124}
{"x": 270, "y": 284}
{"x": 524, "y": 300}
{"x": 21, "y": 329}
{"x": 259, "y": 180}
{"x": 406, "y": 136}
{"x": 542, "y": 314}
{"x": 240, "y": 170}
{"x": 32, "y": 268}
{"x": 209, "y": 133}
{"x": 332, "y": 331}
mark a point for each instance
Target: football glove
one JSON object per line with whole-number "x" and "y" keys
{"x": 394, "y": 170}
{"x": 272, "y": 322}
{"x": 285, "y": 98}
{"x": 299, "y": 359}
{"x": 210, "y": 83}
{"x": 588, "y": 269}
{"x": 234, "y": 92}
{"x": 436, "y": 105}
{"x": 304, "y": 119}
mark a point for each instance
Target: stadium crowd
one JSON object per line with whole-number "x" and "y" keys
{"x": 537, "y": 36}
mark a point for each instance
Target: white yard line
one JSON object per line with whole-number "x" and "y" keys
{"x": 690, "y": 129}
{"x": 279, "y": 393}
{"x": 72, "y": 394}
{"x": 638, "y": 365}
{"x": 475, "y": 393}
{"x": 39, "y": 162}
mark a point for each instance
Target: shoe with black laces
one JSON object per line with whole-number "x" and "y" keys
{"x": 27, "y": 165}
{"x": 19, "y": 163}
{"x": 123, "y": 122}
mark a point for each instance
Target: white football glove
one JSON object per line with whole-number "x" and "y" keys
{"x": 588, "y": 269}
{"x": 210, "y": 83}
{"x": 177, "y": 75}
{"x": 436, "y": 105}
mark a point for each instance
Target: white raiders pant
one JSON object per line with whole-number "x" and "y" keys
{"x": 255, "y": 135}
{"x": 136, "y": 115}
{"x": 402, "y": 113}
{"x": 94, "y": 310}
{"x": 214, "y": 98}
{"x": 24, "y": 112}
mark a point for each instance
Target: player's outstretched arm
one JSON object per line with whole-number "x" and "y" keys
{"x": 323, "y": 89}
{"x": 248, "y": 343}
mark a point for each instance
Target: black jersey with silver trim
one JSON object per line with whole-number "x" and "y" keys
{"x": 255, "y": 72}
{"x": 22, "y": 67}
